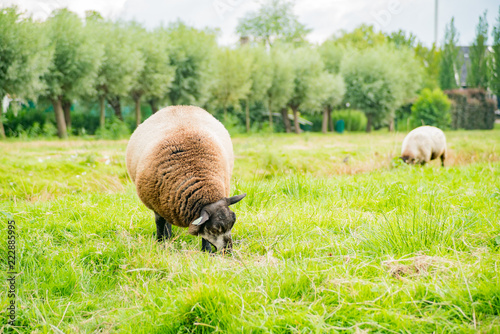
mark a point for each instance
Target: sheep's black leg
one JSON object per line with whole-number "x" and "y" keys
{"x": 442, "y": 160}
{"x": 163, "y": 228}
{"x": 206, "y": 246}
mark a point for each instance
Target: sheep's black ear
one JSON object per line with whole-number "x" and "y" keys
{"x": 235, "y": 199}
{"x": 202, "y": 219}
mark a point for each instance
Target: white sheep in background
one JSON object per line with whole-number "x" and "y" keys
{"x": 423, "y": 144}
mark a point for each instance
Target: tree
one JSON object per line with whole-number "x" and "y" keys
{"x": 495, "y": 63}
{"x": 308, "y": 68}
{"x": 282, "y": 83}
{"x": 191, "y": 54}
{"x": 361, "y": 38}
{"x": 331, "y": 53}
{"x": 451, "y": 62}
{"x": 431, "y": 108}
{"x": 156, "y": 75}
{"x": 379, "y": 80}
{"x": 261, "y": 77}
{"x": 430, "y": 59}
{"x": 401, "y": 39}
{"x": 332, "y": 90}
{"x": 121, "y": 64}
{"x": 73, "y": 68}
{"x": 24, "y": 57}
{"x": 274, "y": 21}
{"x": 477, "y": 71}
{"x": 231, "y": 78}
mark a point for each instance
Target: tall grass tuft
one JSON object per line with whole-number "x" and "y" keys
{"x": 426, "y": 229}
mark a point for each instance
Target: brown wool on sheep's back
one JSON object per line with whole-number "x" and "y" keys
{"x": 180, "y": 159}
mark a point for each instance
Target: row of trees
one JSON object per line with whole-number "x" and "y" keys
{"x": 483, "y": 69}
{"x": 66, "y": 59}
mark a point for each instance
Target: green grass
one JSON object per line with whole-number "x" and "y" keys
{"x": 335, "y": 235}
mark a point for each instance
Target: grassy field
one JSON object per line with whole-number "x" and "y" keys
{"x": 335, "y": 235}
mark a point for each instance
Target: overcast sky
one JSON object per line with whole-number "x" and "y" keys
{"x": 324, "y": 17}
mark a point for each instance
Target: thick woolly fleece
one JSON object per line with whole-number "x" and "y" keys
{"x": 424, "y": 143}
{"x": 180, "y": 159}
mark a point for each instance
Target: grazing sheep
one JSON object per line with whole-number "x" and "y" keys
{"x": 181, "y": 160}
{"x": 423, "y": 144}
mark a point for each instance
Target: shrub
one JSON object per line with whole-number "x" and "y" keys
{"x": 28, "y": 122}
{"x": 355, "y": 120}
{"x": 84, "y": 122}
{"x": 431, "y": 108}
{"x": 114, "y": 129}
{"x": 471, "y": 109}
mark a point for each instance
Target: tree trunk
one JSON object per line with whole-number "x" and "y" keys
{"x": 66, "y": 106}
{"x": 116, "y": 105}
{"x": 324, "y": 124}
{"x": 154, "y": 105}
{"x": 369, "y": 123}
{"x": 137, "y": 111}
{"x": 270, "y": 116}
{"x": 350, "y": 120}
{"x": 102, "y": 112}
{"x": 330, "y": 121}
{"x": 296, "y": 120}
{"x": 247, "y": 115}
{"x": 61, "y": 123}
{"x": 391, "y": 125}
{"x": 2, "y": 130}
{"x": 271, "y": 125}
{"x": 286, "y": 120}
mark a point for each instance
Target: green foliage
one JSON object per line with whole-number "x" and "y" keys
{"x": 379, "y": 80}
{"x": 76, "y": 57}
{"x": 362, "y": 37}
{"x": 24, "y": 56}
{"x": 330, "y": 89}
{"x": 29, "y": 122}
{"x": 274, "y": 21}
{"x": 114, "y": 129}
{"x": 495, "y": 63}
{"x": 191, "y": 54}
{"x": 232, "y": 71}
{"x": 282, "y": 84}
{"x": 308, "y": 68}
{"x": 431, "y": 108}
{"x": 477, "y": 71}
{"x": 430, "y": 60}
{"x": 355, "y": 120}
{"x": 261, "y": 72}
{"x": 156, "y": 73}
{"x": 122, "y": 61}
{"x": 401, "y": 39}
{"x": 451, "y": 59}
{"x": 331, "y": 53}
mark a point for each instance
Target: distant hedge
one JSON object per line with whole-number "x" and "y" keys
{"x": 471, "y": 109}
{"x": 355, "y": 120}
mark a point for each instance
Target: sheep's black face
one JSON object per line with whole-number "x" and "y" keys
{"x": 216, "y": 222}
